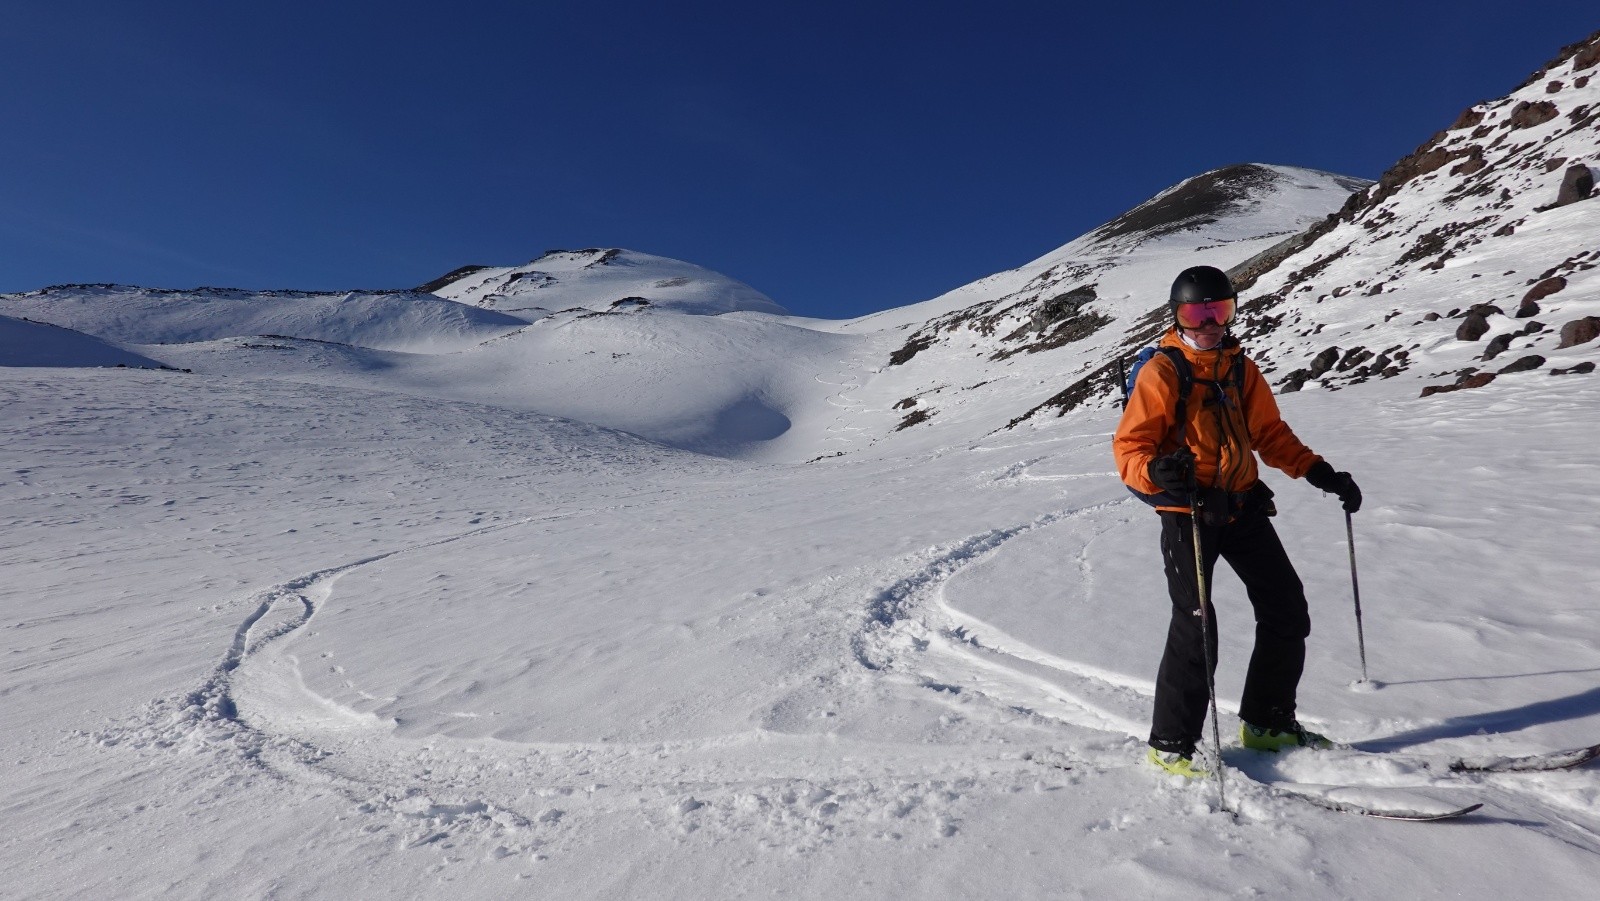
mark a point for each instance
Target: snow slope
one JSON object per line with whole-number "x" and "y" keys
{"x": 281, "y": 639}
{"x": 27, "y": 343}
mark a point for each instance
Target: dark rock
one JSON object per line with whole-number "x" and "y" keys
{"x": 1324, "y": 361}
{"x": 1469, "y": 117}
{"x": 1430, "y": 390}
{"x": 917, "y": 416}
{"x": 1060, "y": 307}
{"x": 916, "y": 345}
{"x": 1476, "y": 381}
{"x": 1375, "y": 289}
{"x": 1580, "y": 331}
{"x": 1576, "y": 185}
{"x": 1543, "y": 288}
{"x": 1528, "y": 308}
{"x": 1553, "y": 87}
{"x": 1555, "y": 163}
{"x": 1472, "y": 328}
{"x": 1527, "y": 114}
{"x": 1353, "y": 357}
{"x": 1430, "y": 317}
{"x": 1583, "y": 368}
{"x": 905, "y": 403}
{"x": 1498, "y": 345}
{"x": 1586, "y": 57}
{"x": 1294, "y": 381}
{"x": 451, "y": 276}
{"x": 1532, "y": 361}
{"x": 1486, "y": 310}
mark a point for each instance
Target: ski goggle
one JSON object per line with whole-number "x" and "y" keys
{"x": 1194, "y": 315}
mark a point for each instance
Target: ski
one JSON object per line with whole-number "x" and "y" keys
{"x": 1530, "y": 763}
{"x": 1328, "y": 798}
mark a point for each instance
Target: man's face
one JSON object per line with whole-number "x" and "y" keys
{"x": 1207, "y": 336}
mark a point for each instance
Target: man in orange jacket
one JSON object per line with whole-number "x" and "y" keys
{"x": 1207, "y": 462}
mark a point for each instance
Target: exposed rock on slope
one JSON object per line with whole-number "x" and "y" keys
{"x": 1424, "y": 265}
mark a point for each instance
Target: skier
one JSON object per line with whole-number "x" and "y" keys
{"x": 1208, "y": 457}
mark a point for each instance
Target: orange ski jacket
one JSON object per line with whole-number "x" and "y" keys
{"x": 1225, "y": 430}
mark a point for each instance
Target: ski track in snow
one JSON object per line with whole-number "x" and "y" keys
{"x": 915, "y": 630}
{"x": 254, "y": 708}
{"x": 848, "y": 381}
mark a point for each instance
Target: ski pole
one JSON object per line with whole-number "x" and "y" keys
{"x": 1205, "y": 641}
{"x": 1355, "y": 589}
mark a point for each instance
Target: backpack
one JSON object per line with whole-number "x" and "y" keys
{"x": 1185, "y": 379}
{"x": 1181, "y": 408}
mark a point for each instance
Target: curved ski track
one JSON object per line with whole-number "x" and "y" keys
{"x": 530, "y": 799}
{"x": 913, "y": 630}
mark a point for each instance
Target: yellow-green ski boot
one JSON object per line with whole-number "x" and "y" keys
{"x": 1177, "y": 764}
{"x": 1259, "y": 738}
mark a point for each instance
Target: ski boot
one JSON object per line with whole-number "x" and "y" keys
{"x": 1261, "y": 738}
{"x": 1177, "y": 764}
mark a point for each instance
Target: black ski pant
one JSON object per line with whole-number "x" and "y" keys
{"x": 1251, "y": 546}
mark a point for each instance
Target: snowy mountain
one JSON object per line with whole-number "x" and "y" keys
{"x": 1468, "y": 260}
{"x": 603, "y": 577}
{"x": 991, "y": 353}
{"x": 1473, "y": 258}
{"x": 600, "y": 280}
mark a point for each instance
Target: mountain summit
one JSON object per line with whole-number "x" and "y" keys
{"x": 600, "y": 280}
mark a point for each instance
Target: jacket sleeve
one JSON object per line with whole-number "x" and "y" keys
{"x": 1149, "y": 418}
{"x": 1271, "y": 437}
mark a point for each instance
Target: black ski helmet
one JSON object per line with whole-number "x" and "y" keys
{"x": 1198, "y": 284}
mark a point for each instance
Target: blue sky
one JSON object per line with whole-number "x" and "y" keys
{"x": 841, "y": 157}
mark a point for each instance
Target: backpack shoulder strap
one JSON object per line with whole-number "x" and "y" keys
{"x": 1185, "y": 386}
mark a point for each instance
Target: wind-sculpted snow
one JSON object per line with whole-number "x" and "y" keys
{"x": 418, "y": 323}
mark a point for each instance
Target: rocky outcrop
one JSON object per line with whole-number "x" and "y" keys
{"x": 1580, "y": 331}
{"x": 1473, "y": 327}
{"x": 1527, "y": 113}
{"x": 1577, "y": 185}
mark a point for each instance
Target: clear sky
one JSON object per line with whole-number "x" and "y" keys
{"x": 842, "y": 157}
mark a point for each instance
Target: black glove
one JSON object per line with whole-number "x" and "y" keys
{"x": 1174, "y": 472}
{"x": 1321, "y": 475}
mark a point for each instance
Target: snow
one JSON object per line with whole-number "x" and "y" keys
{"x": 277, "y": 637}
{"x": 538, "y": 650}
